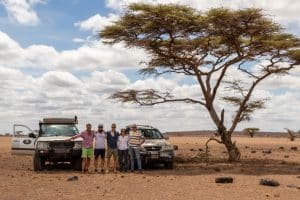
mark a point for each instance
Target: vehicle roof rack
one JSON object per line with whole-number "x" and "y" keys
{"x": 142, "y": 126}
{"x": 60, "y": 120}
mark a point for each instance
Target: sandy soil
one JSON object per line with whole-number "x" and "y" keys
{"x": 193, "y": 177}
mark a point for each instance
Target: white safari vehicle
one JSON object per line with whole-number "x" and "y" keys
{"x": 49, "y": 145}
{"x": 156, "y": 148}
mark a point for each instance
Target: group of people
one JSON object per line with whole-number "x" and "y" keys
{"x": 121, "y": 146}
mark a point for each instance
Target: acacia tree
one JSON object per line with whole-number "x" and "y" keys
{"x": 205, "y": 46}
{"x": 291, "y": 134}
{"x": 251, "y": 131}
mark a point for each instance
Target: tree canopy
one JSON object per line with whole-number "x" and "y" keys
{"x": 205, "y": 46}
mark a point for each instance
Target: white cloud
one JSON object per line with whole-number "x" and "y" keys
{"x": 27, "y": 99}
{"x": 21, "y": 11}
{"x": 78, "y": 40}
{"x": 91, "y": 56}
{"x": 97, "y": 22}
{"x": 106, "y": 81}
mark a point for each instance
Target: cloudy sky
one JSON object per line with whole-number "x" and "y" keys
{"x": 52, "y": 64}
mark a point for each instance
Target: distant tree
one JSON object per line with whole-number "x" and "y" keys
{"x": 251, "y": 131}
{"x": 205, "y": 46}
{"x": 291, "y": 134}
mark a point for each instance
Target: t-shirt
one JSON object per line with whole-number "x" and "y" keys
{"x": 112, "y": 140}
{"x": 135, "y": 139}
{"x": 100, "y": 140}
{"x": 87, "y": 137}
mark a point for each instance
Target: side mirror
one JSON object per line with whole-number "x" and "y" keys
{"x": 32, "y": 135}
{"x": 166, "y": 137}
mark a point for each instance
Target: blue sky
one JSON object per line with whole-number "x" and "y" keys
{"x": 56, "y": 27}
{"x": 53, "y": 64}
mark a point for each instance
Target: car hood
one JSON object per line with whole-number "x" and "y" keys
{"x": 156, "y": 142}
{"x": 56, "y": 138}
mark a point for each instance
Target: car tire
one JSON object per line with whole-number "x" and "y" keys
{"x": 38, "y": 163}
{"x": 169, "y": 165}
{"x": 77, "y": 164}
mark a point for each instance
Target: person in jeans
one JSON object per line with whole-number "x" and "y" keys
{"x": 135, "y": 142}
{"x": 112, "y": 147}
{"x": 100, "y": 137}
{"x": 87, "y": 146}
{"x": 123, "y": 151}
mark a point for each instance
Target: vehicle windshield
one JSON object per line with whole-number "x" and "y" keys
{"x": 151, "y": 134}
{"x": 58, "y": 130}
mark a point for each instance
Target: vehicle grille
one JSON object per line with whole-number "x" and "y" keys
{"x": 60, "y": 145}
{"x": 153, "y": 148}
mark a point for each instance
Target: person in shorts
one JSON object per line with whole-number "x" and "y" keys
{"x": 87, "y": 146}
{"x": 100, "y": 137}
{"x": 112, "y": 148}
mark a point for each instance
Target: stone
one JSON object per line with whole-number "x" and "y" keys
{"x": 253, "y": 151}
{"x": 73, "y": 178}
{"x": 281, "y": 148}
{"x": 225, "y": 179}
{"x": 246, "y": 147}
{"x": 217, "y": 169}
{"x": 269, "y": 182}
{"x": 286, "y": 156}
{"x": 200, "y": 149}
{"x": 175, "y": 147}
{"x": 269, "y": 151}
{"x": 294, "y": 148}
{"x": 293, "y": 186}
{"x": 192, "y": 150}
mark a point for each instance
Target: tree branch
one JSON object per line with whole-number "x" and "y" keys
{"x": 150, "y": 97}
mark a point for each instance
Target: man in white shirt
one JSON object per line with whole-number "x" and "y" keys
{"x": 123, "y": 151}
{"x": 100, "y": 138}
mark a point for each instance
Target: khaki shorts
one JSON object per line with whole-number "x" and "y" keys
{"x": 112, "y": 152}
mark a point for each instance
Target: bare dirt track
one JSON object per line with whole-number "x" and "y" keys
{"x": 193, "y": 177}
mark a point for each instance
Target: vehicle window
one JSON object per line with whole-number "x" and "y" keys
{"x": 59, "y": 130}
{"x": 151, "y": 134}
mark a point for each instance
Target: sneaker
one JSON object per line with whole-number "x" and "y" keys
{"x": 106, "y": 171}
{"x": 140, "y": 171}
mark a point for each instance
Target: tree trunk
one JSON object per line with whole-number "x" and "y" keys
{"x": 233, "y": 151}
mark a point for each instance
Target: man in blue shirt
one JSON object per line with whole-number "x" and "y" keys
{"x": 112, "y": 147}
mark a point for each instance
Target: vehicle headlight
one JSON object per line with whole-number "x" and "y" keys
{"x": 167, "y": 147}
{"x": 77, "y": 145}
{"x": 42, "y": 145}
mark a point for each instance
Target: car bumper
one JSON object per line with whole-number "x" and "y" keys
{"x": 165, "y": 156}
{"x": 59, "y": 154}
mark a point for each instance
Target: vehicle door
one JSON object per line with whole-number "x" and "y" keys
{"x": 23, "y": 140}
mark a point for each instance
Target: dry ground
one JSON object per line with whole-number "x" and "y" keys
{"x": 192, "y": 178}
